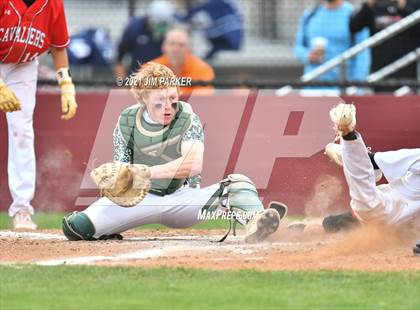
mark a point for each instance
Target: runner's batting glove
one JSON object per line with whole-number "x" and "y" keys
{"x": 343, "y": 116}
{"x": 68, "y": 94}
{"x": 8, "y": 100}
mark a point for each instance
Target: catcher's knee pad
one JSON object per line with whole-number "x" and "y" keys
{"x": 238, "y": 193}
{"x": 77, "y": 226}
{"x": 242, "y": 196}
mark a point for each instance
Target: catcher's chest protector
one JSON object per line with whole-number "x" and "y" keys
{"x": 153, "y": 144}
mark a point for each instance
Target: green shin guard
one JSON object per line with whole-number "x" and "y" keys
{"x": 77, "y": 226}
{"x": 239, "y": 195}
{"x": 243, "y": 198}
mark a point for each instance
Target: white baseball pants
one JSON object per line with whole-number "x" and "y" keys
{"x": 22, "y": 80}
{"x": 368, "y": 201}
{"x": 178, "y": 210}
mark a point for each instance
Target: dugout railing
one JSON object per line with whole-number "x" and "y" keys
{"x": 381, "y": 36}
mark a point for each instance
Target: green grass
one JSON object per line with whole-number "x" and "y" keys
{"x": 71, "y": 287}
{"x": 43, "y": 220}
{"x": 53, "y": 221}
{"x": 88, "y": 287}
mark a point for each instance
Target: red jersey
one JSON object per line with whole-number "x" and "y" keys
{"x": 26, "y": 32}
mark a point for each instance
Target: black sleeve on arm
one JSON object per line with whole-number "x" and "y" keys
{"x": 361, "y": 18}
{"x": 410, "y": 8}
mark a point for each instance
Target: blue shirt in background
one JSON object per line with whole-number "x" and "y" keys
{"x": 333, "y": 25}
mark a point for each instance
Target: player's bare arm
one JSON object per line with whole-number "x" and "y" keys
{"x": 189, "y": 164}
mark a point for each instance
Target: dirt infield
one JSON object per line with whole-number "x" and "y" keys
{"x": 364, "y": 249}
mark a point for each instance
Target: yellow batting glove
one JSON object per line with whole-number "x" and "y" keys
{"x": 68, "y": 94}
{"x": 8, "y": 100}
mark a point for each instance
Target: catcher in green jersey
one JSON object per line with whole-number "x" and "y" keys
{"x": 155, "y": 174}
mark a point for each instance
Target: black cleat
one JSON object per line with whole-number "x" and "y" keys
{"x": 416, "y": 248}
{"x": 344, "y": 221}
{"x": 280, "y": 207}
{"x": 111, "y": 237}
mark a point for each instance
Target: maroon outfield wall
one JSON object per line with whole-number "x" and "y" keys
{"x": 277, "y": 141}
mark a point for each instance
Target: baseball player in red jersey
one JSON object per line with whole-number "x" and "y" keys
{"x": 29, "y": 28}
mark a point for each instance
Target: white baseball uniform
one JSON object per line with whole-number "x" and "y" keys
{"x": 26, "y": 31}
{"x": 396, "y": 202}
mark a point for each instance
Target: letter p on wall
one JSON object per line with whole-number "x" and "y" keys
{"x": 290, "y": 126}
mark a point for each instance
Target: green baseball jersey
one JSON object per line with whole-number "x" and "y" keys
{"x": 138, "y": 141}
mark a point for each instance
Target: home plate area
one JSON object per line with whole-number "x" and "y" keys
{"x": 285, "y": 250}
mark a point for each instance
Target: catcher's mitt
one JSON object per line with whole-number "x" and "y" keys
{"x": 8, "y": 100}
{"x": 124, "y": 184}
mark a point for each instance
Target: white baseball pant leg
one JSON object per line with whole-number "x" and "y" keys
{"x": 22, "y": 80}
{"x": 368, "y": 201}
{"x": 178, "y": 210}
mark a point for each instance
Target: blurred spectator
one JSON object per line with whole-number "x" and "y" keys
{"x": 143, "y": 36}
{"x": 177, "y": 56}
{"x": 221, "y": 23}
{"x": 91, "y": 46}
{"x": 378, "y": 15}
{"x": 323, "y": 33}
